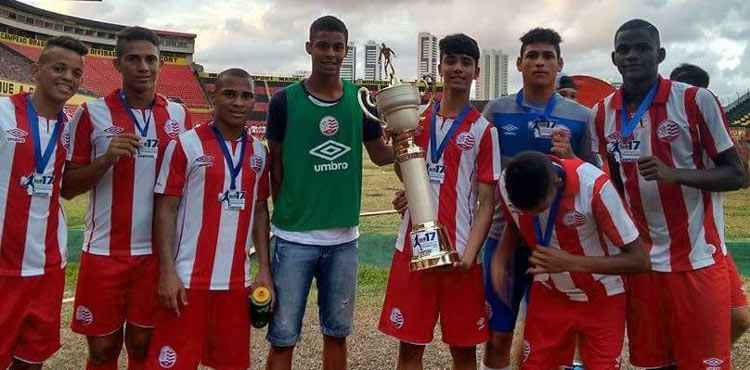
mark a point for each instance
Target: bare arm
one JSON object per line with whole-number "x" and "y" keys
{"x": 171, "y": 289}
{"x": 78, "y": 179}
{"x": 482, "y": 223}
{"x": 551, "y": 260}
{"x": 277, "y": 167}
{"x": 261, "y": 234}
{"x": 508, "y": 244}
{"x": 728, "y": 175}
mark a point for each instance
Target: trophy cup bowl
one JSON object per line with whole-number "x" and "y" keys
{"x": 399, "y": 106}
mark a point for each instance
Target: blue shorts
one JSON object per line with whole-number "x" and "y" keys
{"x": 293, "y": 267}
{"x": 503, "y": 315}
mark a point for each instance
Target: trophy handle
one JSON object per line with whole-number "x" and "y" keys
{"x": 429, "y": 83}
{"x": 367, "y": 101}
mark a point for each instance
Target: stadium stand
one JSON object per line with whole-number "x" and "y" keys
{"x": 13, "y": 66}
{"x": 738, "y": 116}
{"x": 24, "y": 30}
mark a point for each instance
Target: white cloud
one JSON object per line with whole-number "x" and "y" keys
{"x": 266, "y": 36}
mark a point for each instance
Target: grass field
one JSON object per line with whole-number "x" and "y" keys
{"x": 370, "y": 350}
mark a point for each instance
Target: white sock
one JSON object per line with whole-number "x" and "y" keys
{"x": 485, "y": 367}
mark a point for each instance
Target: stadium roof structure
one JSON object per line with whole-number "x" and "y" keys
{"x": 81, "y": 21}
{"x": 738, "y": 112}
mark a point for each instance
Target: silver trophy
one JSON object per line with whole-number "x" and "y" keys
{"x": 399, "y": 108}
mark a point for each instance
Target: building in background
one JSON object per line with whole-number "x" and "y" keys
{"x": 373, "y": 66}
{"x": 493, "y": 75}
{"x": 349, "y": 66}
{"x": 427, "y": 55}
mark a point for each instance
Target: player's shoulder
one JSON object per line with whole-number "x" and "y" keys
{"x": 574, "y": 110}
{"x": 503, "y": 104}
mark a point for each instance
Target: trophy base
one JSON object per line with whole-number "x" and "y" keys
{"x": 445, "y": 259}
{"x": 443, "y": 256}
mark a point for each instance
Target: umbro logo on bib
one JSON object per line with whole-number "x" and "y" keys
{"x": 330, "y": 150}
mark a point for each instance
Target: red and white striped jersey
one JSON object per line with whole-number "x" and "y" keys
{"x": 471, "y": 156}
{"x": 33, "y": 230}
{"x": 212, "y": 241}
{"x": 591, "y": 221}
{"x": 120, "y": 210}
{"x": 681, "y": 227}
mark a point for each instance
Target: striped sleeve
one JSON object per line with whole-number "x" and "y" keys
{"x": 173, "y": 171}
{"x": 488, "y": 158}
{"x": 713, "y": 130}
{"x": 612, "y": 218}
{"x": 81, "y": 128}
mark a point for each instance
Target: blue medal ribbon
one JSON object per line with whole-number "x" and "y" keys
{"x": 42, "y": 158}
{"x": 436, "y": 152}
{"x": 548, "y": 109}
{"x": 627, "y": 125}
{"x": 234, "y": 169}
{"x": 544, "y": 239}
{"x": 142, "y": 130}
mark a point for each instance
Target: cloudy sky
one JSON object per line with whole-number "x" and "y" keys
{"x": 267, "y": 37}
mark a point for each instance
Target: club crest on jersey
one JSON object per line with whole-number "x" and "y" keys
{"x": 256, "y": 163}
{"x": 668, "y": 131}
{"x": 167, "y": 357}
{"x": 574, "y": 219}
{"x": 172, "y": 128}
{"x": 397, "y": 319}
{"x": 113, "y": 131}
{"x": 713, "y": 363}
{"x": 205, "y": 161}
{"x": 16, "y": 135}
{"x": 615, "y": 137}
{"x": 329, "y": 126}
{"x": 465, "y": 141}
{"x": 84, "y": 315}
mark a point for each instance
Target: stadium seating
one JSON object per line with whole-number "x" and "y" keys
{"x": 738, "y": 112}
{"x": 176, "y": 81}
{"x": 13, "y": 66}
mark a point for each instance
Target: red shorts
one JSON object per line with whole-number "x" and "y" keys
{"x": 553, "y": 322}
{"x": 738, "y": 296}
{"x": 30, "y": 317}
{"x": 112, "y": 290}
{"x": 415, "y": 300}
{"x": 680, "y": 318}
{"x": 213, "y": 329}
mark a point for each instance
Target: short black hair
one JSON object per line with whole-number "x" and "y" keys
{"x": 328, "y": 23}
{"x": 459, "y": 43}
{"x": 541, "y": 35}
{"x": 690, "y": 74}
{"x": 67, "y": 42}
{"x": 566, "y": 82}
{"x": 234, "y": 72}
{"x": 135, "y": 33}
{"x": 528, "y": 179}
{"x": 640, "y": 24}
